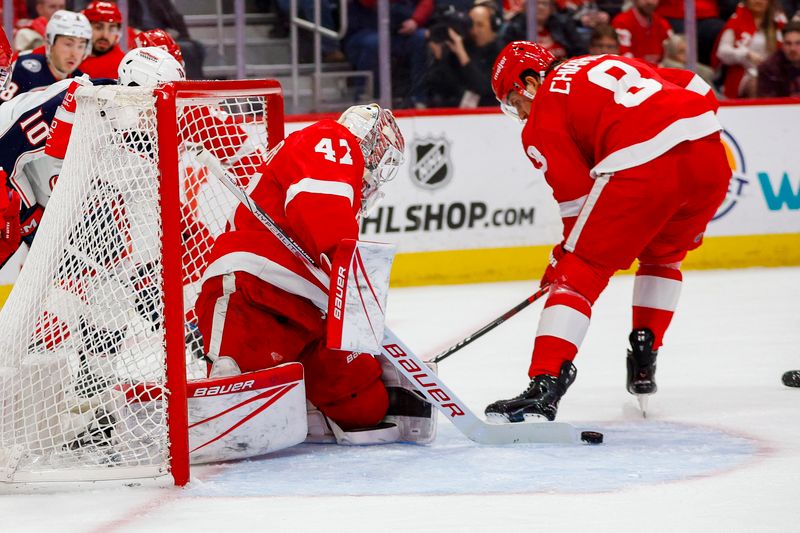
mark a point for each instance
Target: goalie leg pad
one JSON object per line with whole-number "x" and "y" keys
{"x": 415, "y": 417}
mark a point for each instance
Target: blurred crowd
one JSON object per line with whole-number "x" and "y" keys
{"x": 443, "y": 50}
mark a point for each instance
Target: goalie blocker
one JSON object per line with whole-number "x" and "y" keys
{"x": 357, "y": 297}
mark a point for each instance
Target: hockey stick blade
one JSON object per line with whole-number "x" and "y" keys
{"x": 474, "y": 428}
{"x": 402, "y": 358}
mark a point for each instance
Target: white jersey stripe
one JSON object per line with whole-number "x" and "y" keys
{"x": 270, "y": 272}
{"x": 311, "y": 185}
{"x": 698, "y": 85}
{"x": 656, "y": 292}
{"x": 220, "y": 312}
{"x": 563, "y": 322}
{"x": 586, "y": 210}
{"x": 571, "y": 208}
{"x": 685, "y": 129}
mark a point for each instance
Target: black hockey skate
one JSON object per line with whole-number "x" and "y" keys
{"x": 538, "y": 401}
{"x": 791, "y": 378}
{"x": 642, "y": 362}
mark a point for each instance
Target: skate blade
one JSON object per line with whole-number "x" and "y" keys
{"x": 497, "y": 418}
{"x": 535, "y": 418}
{"x": 643, "y": 400}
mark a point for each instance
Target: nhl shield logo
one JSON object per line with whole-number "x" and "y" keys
{"x": 431, "y": 167}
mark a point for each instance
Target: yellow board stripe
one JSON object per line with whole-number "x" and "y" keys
{"x": 506, "y": 264}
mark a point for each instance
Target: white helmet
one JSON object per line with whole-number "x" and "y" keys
{"x": 381, "y": 143}
{"x": 70, "y": 24}
{"x": 147, "y": 67}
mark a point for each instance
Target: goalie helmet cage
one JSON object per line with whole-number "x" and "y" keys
{"x": 99, "y": 333}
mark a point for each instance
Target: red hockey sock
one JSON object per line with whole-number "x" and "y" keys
{"x": 656, "y": 289}
{"x": 562, "y": 326}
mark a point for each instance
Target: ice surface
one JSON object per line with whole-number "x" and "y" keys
{"x": 718, "y": 452}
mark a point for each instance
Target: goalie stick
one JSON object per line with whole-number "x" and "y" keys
{"x": 399, "y": 355}
{"x": 491, "y": 325}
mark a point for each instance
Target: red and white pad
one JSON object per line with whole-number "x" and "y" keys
{"x": 357, "y": 298}
{"x": 235, "y": 417}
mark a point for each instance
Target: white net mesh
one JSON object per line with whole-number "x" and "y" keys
{"x": 83, "y": 363}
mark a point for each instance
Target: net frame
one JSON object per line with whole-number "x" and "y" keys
{"x": 169, "y": 101}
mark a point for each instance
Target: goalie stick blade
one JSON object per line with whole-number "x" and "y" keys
{"x": 524, "y": 432}
{"x": 455, "y": 410}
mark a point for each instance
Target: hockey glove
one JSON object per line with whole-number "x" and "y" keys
{"x": 550, "y": 272}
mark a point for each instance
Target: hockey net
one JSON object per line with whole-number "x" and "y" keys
{"x": 100, "y": 321}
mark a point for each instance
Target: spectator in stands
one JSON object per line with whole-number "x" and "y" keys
{"x": 779, "y": 74}
{"x": 585, "y": 12}
{"x": 151, "y": 14}
{"x": 69, "y": 37}
{"x": 642, "y": 31}
{"x": 709, "y": 23}
{"x": 748, "y": 37}
{"x": 406, "y": 25}
{"x": 305, "y": 9}
{"x": 556, "y": 30}
{"x": 20, "y": 13}
{"x": 106, "y": 21}
{"x": 675, "y": 57}
{"x": 460, "y": 74}
{"x": 31, "y": 34}
{"x": 603, "y": 40}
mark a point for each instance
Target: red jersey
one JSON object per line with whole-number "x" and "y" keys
{"x": 104, "y": 66}
{"x": 673, "y": 9}
{"x": 641, "y": 38}
{"x": 310, "y": 186}
{"x": 601, "y": 114}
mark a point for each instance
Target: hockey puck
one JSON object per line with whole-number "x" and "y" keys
{"x": 592, "y": 437}
{"x": 791, "y": 378}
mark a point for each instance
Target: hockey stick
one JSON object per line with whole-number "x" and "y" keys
{"x": 491, "y": 325}
{"x": 399, "y": 355}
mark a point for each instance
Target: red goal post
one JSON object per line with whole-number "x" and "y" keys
{"x": 100, "y": 322}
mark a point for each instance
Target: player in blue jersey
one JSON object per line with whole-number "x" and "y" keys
{"x": 9, "y": 200}
{"x": 69, "y": 37}
{"x": 33, "y": 162}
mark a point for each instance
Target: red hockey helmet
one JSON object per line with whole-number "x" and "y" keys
{"x": 5, "y": 59}
{"x": 103, "y": 12}
{"x": 511, "y": 64}
{"x": 160, "y": 38}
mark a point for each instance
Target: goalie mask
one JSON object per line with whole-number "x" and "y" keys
{"x": 382, "y": 144}
{"x": 516, "y": 61}
{"x": 147, "y": 67}
{"x": 5, "y": 60}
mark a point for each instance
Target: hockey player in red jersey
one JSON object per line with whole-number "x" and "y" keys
{"x": 106, "y": 21}
{"x": 160, "y": 38}
{"x": 259, "y": 305}
{"x": 637, "y": 168}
